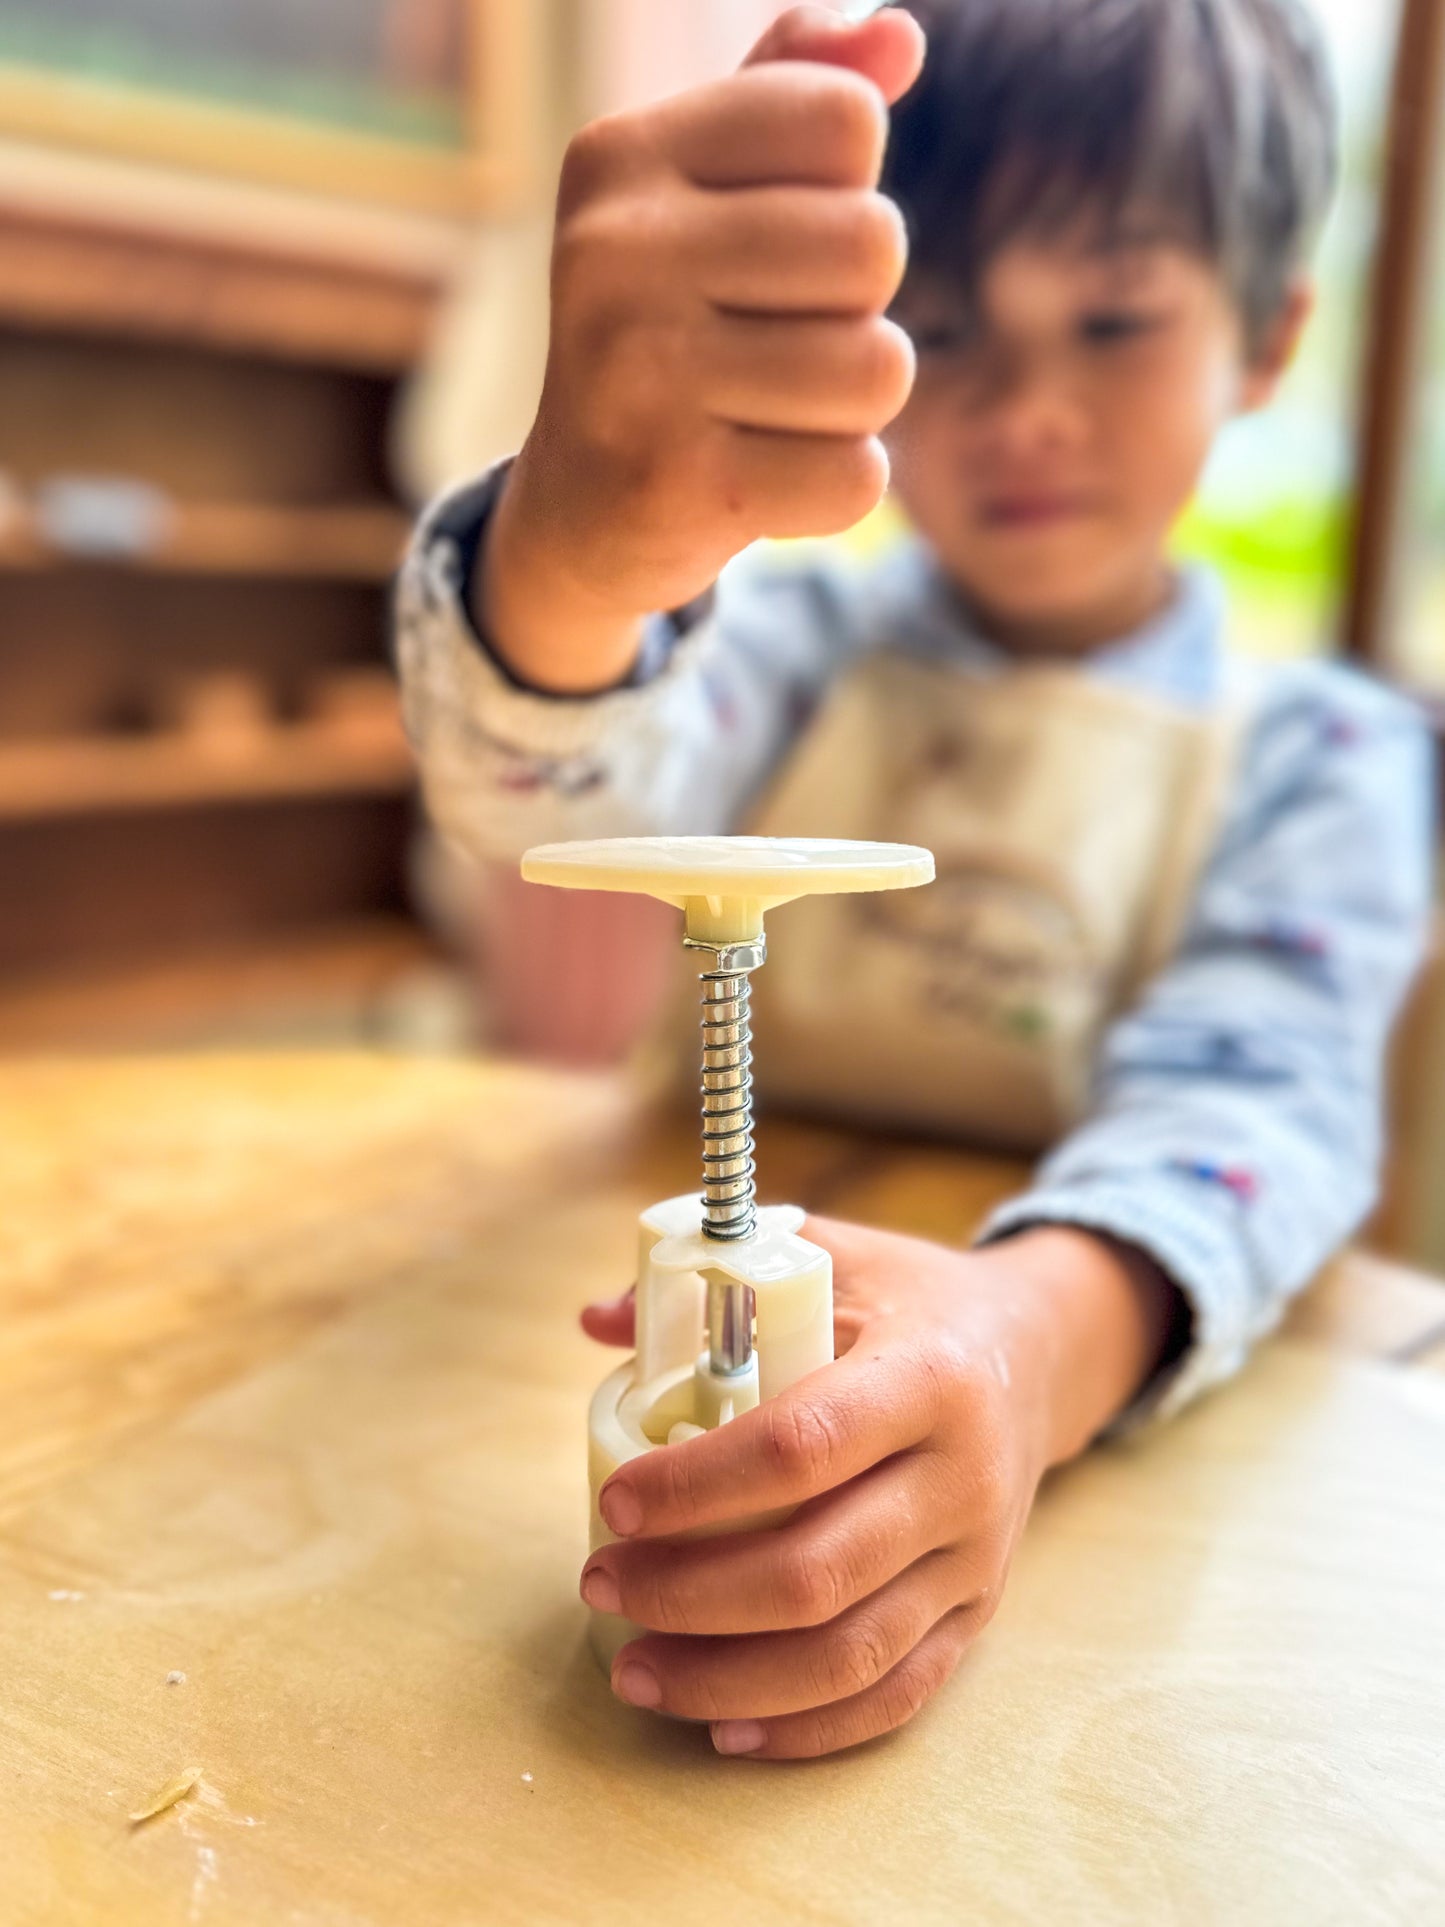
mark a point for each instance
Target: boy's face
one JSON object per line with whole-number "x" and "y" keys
{"x": 1055, "y": 433}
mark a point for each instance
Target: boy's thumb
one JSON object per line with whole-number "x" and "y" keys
{"x": 887, "y": 48}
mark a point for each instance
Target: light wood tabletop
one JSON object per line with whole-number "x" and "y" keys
{"x": 292, "y": 1509}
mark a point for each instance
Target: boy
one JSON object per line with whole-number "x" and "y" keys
{"x": 1177, "y": 907}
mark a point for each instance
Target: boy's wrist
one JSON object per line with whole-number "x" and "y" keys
{"x": 550, "y": 631}
{"x": 1100, "y": 1320}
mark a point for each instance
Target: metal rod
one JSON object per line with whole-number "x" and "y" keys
{"x": 729, "y": 1190}
{"x": 729, "y": 1185}
{"x": 730, "y": 1309}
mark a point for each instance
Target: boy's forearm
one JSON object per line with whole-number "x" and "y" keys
{"x": 551, "y": 631}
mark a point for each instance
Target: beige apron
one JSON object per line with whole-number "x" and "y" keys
{"x": 1069, "y": 820}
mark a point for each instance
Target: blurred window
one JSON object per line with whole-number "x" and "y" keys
{"x": 1274, "y": 510}
{"x": 369, "y": 66}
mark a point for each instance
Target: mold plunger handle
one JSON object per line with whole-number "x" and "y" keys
{"x": 724, "y": 885}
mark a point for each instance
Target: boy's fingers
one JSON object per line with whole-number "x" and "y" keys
{"x": 886, "y": 49}
{"x": 837, "y": 375}
{"x": 838, "y": 1550}
{"x": 799, "y": 250}
{"x": 804, "y": 484}
{"x": 806, "y": 125}
{"x": 809, "y": 105}
{"x": 613, "y": 1322}
{"x": 813, "y": 1436}
{"x": 767, "y": 1674}
{"x": 891, "y": 1703}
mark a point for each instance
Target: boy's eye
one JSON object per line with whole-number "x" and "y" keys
{"x": 1117, "y": 325}
{"x": 944, "y": 338}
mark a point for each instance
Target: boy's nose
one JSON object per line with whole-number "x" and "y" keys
{"x": 1025, "y": 402}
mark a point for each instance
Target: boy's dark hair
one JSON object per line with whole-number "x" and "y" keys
{"x": 1218, "y": 115}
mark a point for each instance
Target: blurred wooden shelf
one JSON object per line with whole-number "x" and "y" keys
{"x": 75, "y": 776}
{"x": 359, "y": 542}
{"x": 197, "y": 529}
{"x": 96, "y": 245}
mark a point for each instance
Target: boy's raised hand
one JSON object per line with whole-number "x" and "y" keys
{"x": 720, "y": 365}
{"x": 912, "y": 1461}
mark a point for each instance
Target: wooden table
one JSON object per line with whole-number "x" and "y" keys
{"x": 292, "y": 1496}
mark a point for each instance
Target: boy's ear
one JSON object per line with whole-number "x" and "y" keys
{"x": 1271, "y": 355}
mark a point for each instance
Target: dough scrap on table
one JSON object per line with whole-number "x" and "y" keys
{"x": 173, "y": 1791}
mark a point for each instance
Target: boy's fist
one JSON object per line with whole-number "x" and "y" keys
{"x": 719, "y": 365}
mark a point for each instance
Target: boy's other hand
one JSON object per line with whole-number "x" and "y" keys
{"x": 912, "y": 1462}
{"x": 720, "y": 365}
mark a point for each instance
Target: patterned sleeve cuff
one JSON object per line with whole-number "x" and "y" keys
{"x": 455, "y": 683}
{"x": 1192, "y": 1248}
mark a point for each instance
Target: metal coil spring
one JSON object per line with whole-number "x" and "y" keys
{"x": 729, "y": 1174}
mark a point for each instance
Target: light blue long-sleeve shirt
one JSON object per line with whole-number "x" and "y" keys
{"x": 1235, "y": 1129}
